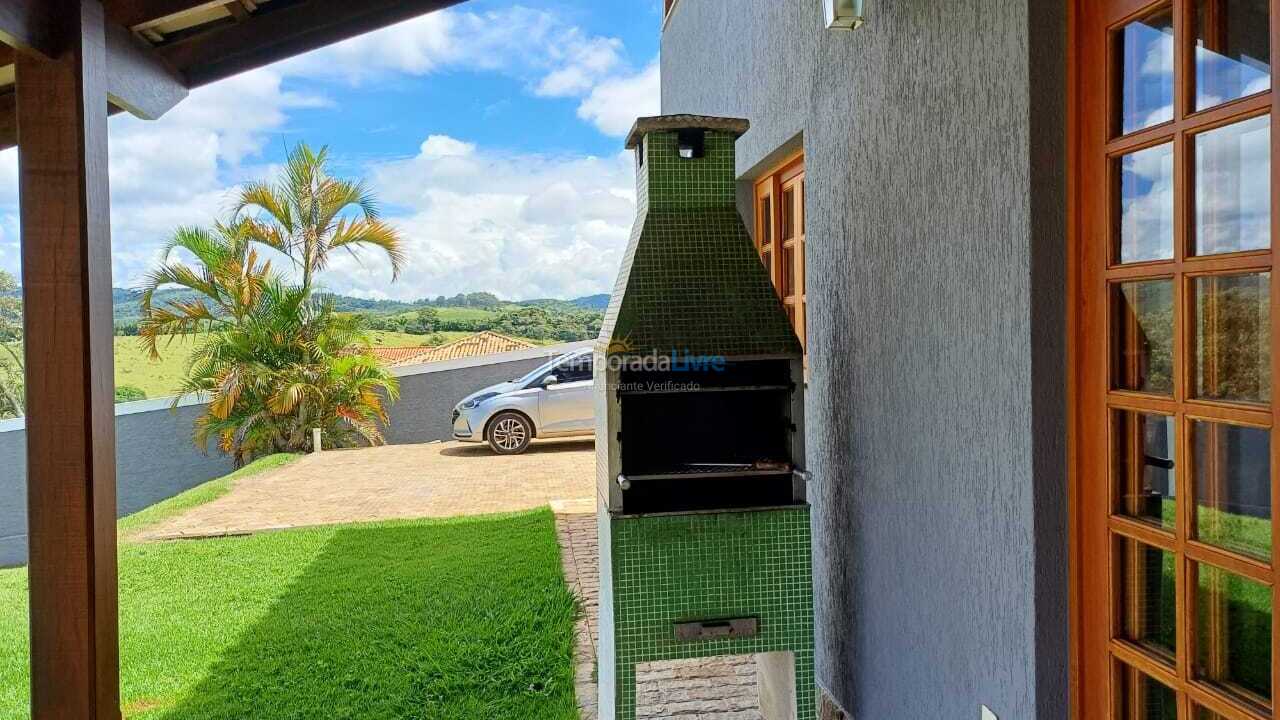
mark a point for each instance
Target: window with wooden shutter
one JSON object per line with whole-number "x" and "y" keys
{"x": 780, "y": 234}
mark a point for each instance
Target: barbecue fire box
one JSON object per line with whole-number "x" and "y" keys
{"x": 704, "y": 524}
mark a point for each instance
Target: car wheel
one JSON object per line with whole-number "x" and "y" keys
{"x": 510, "y": 433}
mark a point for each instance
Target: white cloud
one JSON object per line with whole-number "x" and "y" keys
{"x": 476, "y": 218}
{"x": 521, "y": 226}
{"x": 442, "y": 146}
{"x": 614, "y": 104}
{"x": 584, "y": 64}
{"x": 555, "y": 60}
{"x": 179, "y": 170}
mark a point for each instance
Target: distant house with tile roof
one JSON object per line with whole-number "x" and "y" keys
{"x": 486, "y": 342}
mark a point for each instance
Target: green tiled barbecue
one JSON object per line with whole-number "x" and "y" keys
{"x": 704, "y": 527}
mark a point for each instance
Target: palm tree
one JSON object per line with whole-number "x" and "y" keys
{"x": 307, "y": 214}
{"x": 12, "y": 400}
{"x": 291, "y": 366}
{"x": 273, "y": 361}
{"x": 225, "y": 284}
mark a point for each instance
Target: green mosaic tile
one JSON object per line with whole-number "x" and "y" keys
{"x": 674, "y": 568}
{"x": 691, "y": 280}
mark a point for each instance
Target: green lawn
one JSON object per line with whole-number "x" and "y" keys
{"x": 386, "y": 338}
{"x": 1246, "y": 607}
{"x": 441, "y": 620}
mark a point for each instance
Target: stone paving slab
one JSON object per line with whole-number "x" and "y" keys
{"x": 392, "y": 482}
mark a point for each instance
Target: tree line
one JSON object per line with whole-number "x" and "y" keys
{"x": 534, "y": 323}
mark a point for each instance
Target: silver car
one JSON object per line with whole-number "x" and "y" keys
{"x": 553, "y": 401}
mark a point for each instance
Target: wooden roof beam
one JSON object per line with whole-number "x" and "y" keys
{"x": 139, "y": 81}
{"x": 275, "y": 34}
{"x": 28, "y": 25}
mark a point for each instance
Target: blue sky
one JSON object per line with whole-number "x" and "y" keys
{"x": 492, "y": 132}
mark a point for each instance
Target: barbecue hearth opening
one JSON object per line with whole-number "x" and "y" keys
{"x": 711, "y": 440}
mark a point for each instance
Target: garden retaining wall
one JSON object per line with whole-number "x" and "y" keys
{"x": 156, "y": 459}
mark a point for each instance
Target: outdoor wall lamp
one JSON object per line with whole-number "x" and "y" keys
{"x": 843, "y": 14}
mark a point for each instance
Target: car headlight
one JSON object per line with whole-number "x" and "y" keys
{"x": 474, "y": 402}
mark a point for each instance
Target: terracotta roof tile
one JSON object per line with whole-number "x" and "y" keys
{"x": 481, "y": 343}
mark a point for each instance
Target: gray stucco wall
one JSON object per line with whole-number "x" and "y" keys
{"x": 935, "y": 173}
{"x": 155, "y": 458}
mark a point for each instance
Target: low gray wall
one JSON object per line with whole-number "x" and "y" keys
{"x": 155, "y": 458}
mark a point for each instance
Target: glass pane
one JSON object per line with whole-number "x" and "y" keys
{"x": 1146, "y": 205}
{"x": 1148, "y": 597}
{"x": 802, "y": 213}
{"x": 1233, "y": 50}
{"x": 788, "y": 271}
{"x": 1232, "y": 474}
{"x": 1232, "y": 336}
{"x": 1203, "y": 713}
{"x": 1233, "y": 633}
{"x": 788, "y": 213}
{"x": 1146, "y": 72}
{"x": 766, "y": 221}
{"x": 1143, "y": 342}
{"x": 1144, "y": 471}
{"x": 1233, "y": 188}
{"x": 1142, "y": 698}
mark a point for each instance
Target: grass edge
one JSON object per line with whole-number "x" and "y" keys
{"x": 131, "y": 525}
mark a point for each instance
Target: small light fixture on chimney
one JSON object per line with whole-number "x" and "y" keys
{"x": 692, "y": 143}
{"x": 843, "y": 14}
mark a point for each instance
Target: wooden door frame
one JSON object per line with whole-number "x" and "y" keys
{"x": 1075, "y": 129}
{"x": 1090, "y": 99}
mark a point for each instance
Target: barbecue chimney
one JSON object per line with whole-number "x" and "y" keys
{"x": 704, "y": 524}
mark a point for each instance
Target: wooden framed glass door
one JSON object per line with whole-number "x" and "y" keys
{"x": 1174, "y": 469}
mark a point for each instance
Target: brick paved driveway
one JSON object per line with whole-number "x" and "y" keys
{"x": 394, "y": 482}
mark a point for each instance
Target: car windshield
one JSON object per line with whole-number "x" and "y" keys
{"x": 526, "y": 379}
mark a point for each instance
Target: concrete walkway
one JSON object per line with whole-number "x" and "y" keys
{"x": 392, "y": 482}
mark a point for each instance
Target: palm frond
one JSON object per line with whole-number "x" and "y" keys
{"x": 371, "y": 233}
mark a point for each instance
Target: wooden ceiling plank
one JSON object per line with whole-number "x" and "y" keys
{"x": 275, "y": 34}
{"x": 138, "y": 13}
{"x": 237, "y": 10}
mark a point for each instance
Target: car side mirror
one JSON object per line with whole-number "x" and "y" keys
{"x": 550, "y": 380}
